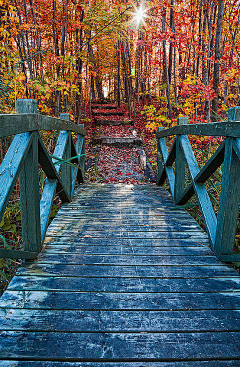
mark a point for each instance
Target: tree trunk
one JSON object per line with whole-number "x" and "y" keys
{"x": 217, "y": 58}
{"x": 166, "y": 68}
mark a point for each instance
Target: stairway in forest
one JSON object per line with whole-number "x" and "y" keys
{"x": 121, "y": 157}
{"x": 126, "y": 279}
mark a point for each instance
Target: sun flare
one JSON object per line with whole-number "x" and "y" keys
{"x": 139, "y": 15}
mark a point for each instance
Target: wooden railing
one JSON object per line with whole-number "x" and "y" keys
{"x": 26, "y": 152}
{"x": 221, "y": 229}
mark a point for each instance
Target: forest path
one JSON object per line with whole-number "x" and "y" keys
{"x": 120, "y": 157}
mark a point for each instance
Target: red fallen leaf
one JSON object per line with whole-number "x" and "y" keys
{"x": 128, "y": 173}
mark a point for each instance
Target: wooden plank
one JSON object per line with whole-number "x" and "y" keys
{"x": 29, "y": 199}
{"x": 116, "y": 321}
{"x": 108, "y": 113}
{"x": 161, "y": 172}
{"x": 129, "y": 260}
{"x": 78, "y": 150}
{"x": 11, "y": 166}
{"x": 51, "y": 172}
{"x": 117, "y": 346}
{"x": 46, "y": 203}
{"x": 72, "y": 217}
{"x": 212, "y": 164}
{"x": 105, "y": 106}
{"x": 236, "y": 147}
{"x": 52, "y": 184}
{"x": 127, "y": 248}
{"x": 180, "y": 164}
{"x": 67, "y": 169}
{"x": 204, "y": 202}
{"x": 161, "y": 227}
{"x": 179, "y": 171}
{"x": 169, "y": 170}
{"x": 26, "y": 106}
{"x": 129, "y": 242}
{"x": 229, "y": 202}
{"x": 172, "y": 155}
{"x": 228, "y": 129}
{"x": 126, "y": 235}
{"x": 206, "y": 171}
{"x": 120, "y": 301}
{"x": 17, "y": 254}
{"x": 17, "y": 124}
{"x": 195, "y": 235}
{"x": 186, "y": 195}
{"x": 206, "y": 363}
{"x": 125, "y": 285}
{"x": 142, "y": 271}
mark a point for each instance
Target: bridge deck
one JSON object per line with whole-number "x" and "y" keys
{"x": 125, "y": 279}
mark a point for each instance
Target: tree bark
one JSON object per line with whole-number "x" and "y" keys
{"x": 217, "y": 58}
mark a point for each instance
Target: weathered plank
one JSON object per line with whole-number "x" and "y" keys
{"x": 204, "y": 271}
{"x": 29, "y": 199}
{"x": 18, "y": 124}
{"x": 115, "y": 321}
{"x": 130, "y": 242}
{"x": 204, "y": 201}
{"x": 124, "y": 249}
{"x": 78, "y": 259}
{"x": 105, "y": 346}
{"x": 196, "y": 363}
{"x": 11, "y": 166}
{"x": 124, "y": 285}
{"x": 231, "y": 129}
{"x": 229, "y": 203}
{"x": 125, "y": 234}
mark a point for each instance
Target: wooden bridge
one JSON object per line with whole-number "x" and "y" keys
{"x": 126, "y": 278}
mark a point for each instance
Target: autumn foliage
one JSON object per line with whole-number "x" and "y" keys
{"x": 182, "y": 58}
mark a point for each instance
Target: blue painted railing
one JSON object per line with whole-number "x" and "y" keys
{"x": 26, "y": 152}
{"x": 221, "y": 229}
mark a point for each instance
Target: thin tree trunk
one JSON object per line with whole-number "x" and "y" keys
{"x": 217, "y": 58}
{"x": 119, "y": 75}
{"x": 166, "y": 68}
{"x": 172, "y": 26}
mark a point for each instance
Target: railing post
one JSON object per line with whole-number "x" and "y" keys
{"x": 180, "y": 164}
{"x": 66, "y": 168}
{"x": 230, "y": 196}
{"x": 82, "y": 158}
{"x": 29, "y": 187}
{"x": 161, "y": 175}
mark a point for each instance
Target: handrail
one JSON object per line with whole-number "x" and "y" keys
{"x": 221, "y": 229}
{"x": 17, "y": 124}
{"x": 26, "y": 152}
